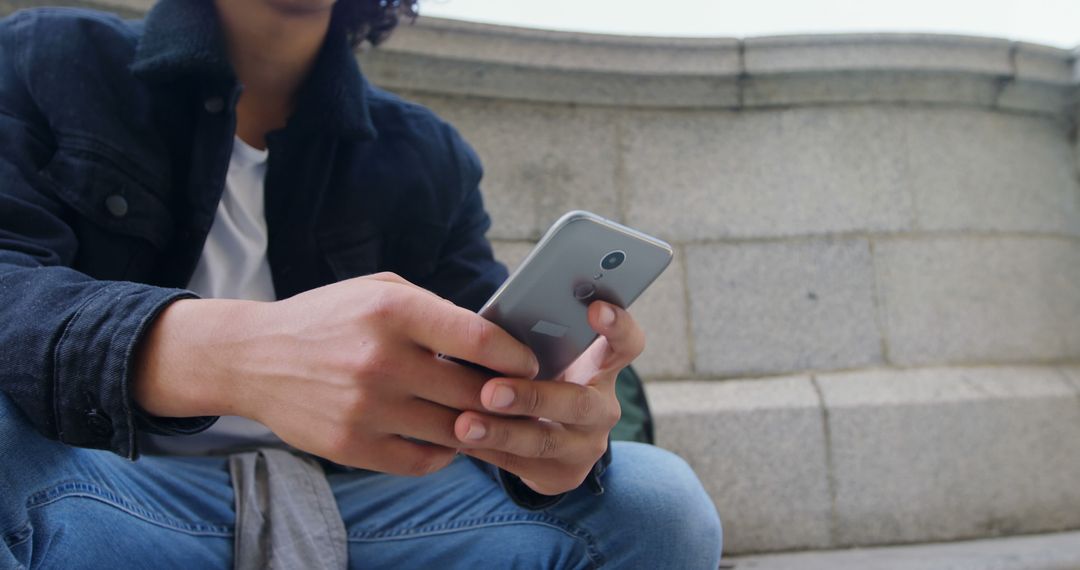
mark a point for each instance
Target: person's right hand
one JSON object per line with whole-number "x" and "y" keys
{"x": 346, "y": 371}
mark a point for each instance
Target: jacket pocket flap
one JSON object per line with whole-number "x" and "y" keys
{"x": 108, "y": 197}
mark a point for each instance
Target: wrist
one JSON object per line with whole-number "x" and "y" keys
{"x": 185, "y": 364}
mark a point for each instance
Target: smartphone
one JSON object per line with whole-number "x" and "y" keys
{"x": 581, "y": 259}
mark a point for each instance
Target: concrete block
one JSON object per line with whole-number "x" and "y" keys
{"x": 511, "y": 253}
{"x": 870, "y": 86}
{"x": 140, "y": 6}
{"x": 1076, "y": 145}
{"x": 1059, "y": 551}
{"x": 759, "y": 308}
{"x": 706, "y": 175}
{"x": 1072, "y": 376}
{"x": 759, "y": 448}
{"x": 1041, "y": 63}
{"x": 540, "y": 161}
{"x": 945, "y": 454}
{"x": 1050, "y": 100}
{"x": 847, "y": 52}
{"x": 661, "y": 311}
{"x": 432, "y": 74}
{"x": 122, "y": 8}
{"x": 494, "y": 44}
{"x": 446, "y": 56}
{"x": 983, "y": 170}
{"x": 978, "y": 300}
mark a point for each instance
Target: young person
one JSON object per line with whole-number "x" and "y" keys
{"x": 210, "y": 213}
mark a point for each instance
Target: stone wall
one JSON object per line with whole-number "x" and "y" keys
{"x": 871, "y": 330}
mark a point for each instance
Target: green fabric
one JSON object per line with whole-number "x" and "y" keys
{"x": 636, "y": 421}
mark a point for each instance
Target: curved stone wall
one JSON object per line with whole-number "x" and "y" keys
{"x": 871, "y": 330}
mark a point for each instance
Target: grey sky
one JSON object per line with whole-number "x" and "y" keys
{"x": 1051, "y": 22}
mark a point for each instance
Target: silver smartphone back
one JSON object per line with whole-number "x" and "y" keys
{"x": 582, "y": 258}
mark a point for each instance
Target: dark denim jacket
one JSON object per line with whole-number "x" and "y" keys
{"x": 115, "y": 138}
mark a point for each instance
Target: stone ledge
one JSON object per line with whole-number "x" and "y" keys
{"x": 445, "y": 56}
{"x": 908, "y": 455}
{"x": 1039, "y": 552}
{"x": 494, "y": 44}
{"x": 852, "y": 52}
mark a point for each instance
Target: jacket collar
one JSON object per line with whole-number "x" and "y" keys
{"x": 183, "y": 38}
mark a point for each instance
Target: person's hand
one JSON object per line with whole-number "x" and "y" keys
{"x": 347, "y": 371}
{"x": 554, "y": 454}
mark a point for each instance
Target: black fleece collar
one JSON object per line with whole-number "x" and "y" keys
{"x": 183, "y": 38}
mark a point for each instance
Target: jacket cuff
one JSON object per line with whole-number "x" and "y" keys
{"x": 93, "y": 365}
{"x": 526, "y": 498}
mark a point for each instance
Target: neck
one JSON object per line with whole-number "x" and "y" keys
{"x": 271, "y": 50}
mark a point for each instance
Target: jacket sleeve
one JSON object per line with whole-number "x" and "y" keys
{"x": 66, "y": 340}
{"x": 468, "y": 274}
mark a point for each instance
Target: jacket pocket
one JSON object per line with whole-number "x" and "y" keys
{"x": 121, "y": 224}
{"x": 108, "y": 198}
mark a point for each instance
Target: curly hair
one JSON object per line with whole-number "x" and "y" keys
{"x": 372, "y": 20}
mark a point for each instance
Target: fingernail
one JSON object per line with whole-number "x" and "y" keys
{"x": 502, "y": 397}
{"x": 476, "y": 431}
{"x": 607, "y": 316}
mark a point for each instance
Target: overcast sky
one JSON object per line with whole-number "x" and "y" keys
{"x": 1051, "y": 22}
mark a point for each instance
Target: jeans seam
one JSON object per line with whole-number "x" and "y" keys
{"x": 89, "y": 491}
{"x": 19, "y": 535}
{"x": 591, "y": 547}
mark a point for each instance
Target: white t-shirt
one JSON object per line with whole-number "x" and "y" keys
{"x": 233, "y": 265}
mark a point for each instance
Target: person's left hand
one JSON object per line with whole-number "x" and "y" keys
{"x": 554, "y": 455}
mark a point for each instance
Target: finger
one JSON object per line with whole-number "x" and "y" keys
{"x": 448, "y": 329}
{"x": 541, "y": 475}
{"x": 422, "y": 420}
{"x": 446, "y": 383}
{"x": 401, "y": 457}
{"x": 625, "y": 339}
{"x": 391, "y": 277}
{"x": 523, "y": 437}
{"x": 563, "y": 402}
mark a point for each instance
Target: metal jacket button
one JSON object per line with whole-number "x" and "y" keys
{"x": 214, "y": 105}
{"x": 116, "y": 205}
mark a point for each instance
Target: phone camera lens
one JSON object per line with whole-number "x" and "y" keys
{"x": 613, "y": 260}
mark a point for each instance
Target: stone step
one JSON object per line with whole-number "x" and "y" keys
{"x": 881, "y": 457}
{"x": 1040, "y": 552}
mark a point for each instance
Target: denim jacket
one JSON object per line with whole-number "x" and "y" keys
{"x": 115, "y": 138}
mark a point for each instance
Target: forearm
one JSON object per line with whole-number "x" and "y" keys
{"x": 190, "y": 361}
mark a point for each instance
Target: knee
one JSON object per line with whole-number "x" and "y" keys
{"x": 657, "y": 494}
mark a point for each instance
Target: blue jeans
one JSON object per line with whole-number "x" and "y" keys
{"x": 65, "y": 507}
